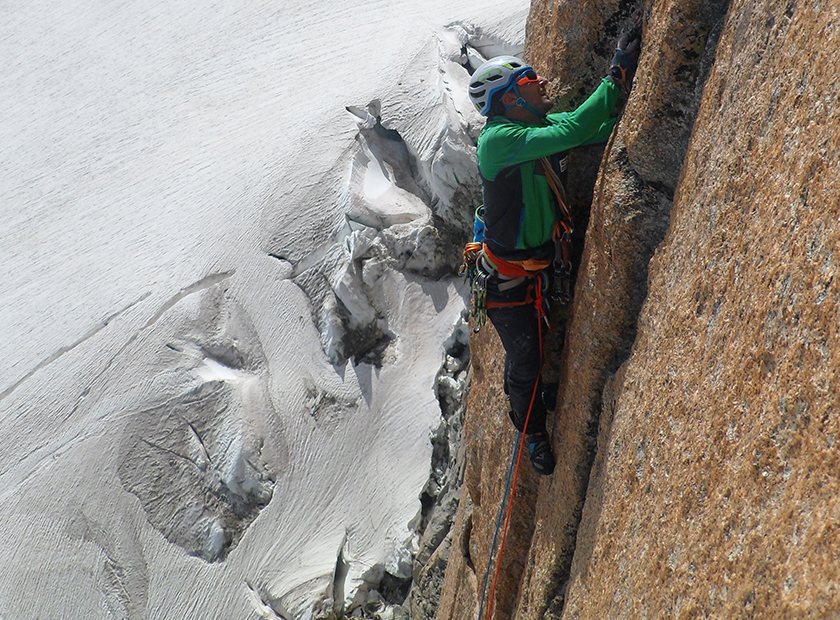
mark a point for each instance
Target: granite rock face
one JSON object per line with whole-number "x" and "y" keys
{"x": 694, "y": 431}
{"x": 718, "y": 477}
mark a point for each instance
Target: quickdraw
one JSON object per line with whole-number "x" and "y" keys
{"x": 479, "y": 300}
{"x": 471, "y": 253}
{"x": 562, "y": 290}
{"x": 478, "y": 284}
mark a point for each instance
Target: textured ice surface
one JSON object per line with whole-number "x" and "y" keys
{"x": 196, "y": 235}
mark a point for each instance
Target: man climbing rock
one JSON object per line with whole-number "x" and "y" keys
{"x": 525, "y": 254}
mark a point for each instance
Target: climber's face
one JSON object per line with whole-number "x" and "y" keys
{"x": 532, "y": 89}
{"x": 534, "y": 93}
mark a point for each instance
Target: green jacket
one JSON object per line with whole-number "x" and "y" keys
{"x": 519, "y": 207}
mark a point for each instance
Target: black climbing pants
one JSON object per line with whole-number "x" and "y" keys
{"x": 518, "y": 327}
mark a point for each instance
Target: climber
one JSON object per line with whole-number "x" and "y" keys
{"x": 526, "y": 224}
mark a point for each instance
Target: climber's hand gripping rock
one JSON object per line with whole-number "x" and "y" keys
{"x": 623, "y": 65}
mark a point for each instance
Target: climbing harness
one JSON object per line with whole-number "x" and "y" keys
{"x": 508, "y": 275}
{"x": 479, "y": 262}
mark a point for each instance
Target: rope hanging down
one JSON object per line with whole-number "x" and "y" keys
{"x": 508, "y": 498}
{"x": 513, "y": 461}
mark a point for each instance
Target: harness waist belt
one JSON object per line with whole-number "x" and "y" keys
{"x": 508, "y": 282}
{"x": 513, "y": 269}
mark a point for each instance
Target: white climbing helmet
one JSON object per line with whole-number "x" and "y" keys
{"x": 497, "y": 74}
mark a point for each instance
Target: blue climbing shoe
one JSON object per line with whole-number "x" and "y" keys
{"x": 539, "y": 448}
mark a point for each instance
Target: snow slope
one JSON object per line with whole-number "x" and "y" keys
{"x": 195, "y": 236}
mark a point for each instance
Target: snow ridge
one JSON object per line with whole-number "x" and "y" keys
{"x": 408, "y": 196}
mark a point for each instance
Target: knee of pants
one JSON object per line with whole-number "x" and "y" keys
{"x": 518, "y": 330}
{"x": 524, "y": 371}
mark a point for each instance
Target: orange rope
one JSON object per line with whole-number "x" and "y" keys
{"x": 540, "y": 312}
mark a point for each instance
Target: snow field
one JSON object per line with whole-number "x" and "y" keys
{"x": 193, "y": 227}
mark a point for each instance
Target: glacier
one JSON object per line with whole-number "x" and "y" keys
{"x": 227, "y": 237}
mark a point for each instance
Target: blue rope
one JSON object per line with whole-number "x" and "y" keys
{"x": 498, "y": 523}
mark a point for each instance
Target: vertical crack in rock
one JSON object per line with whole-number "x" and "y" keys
{"x": 630, "y": 216}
